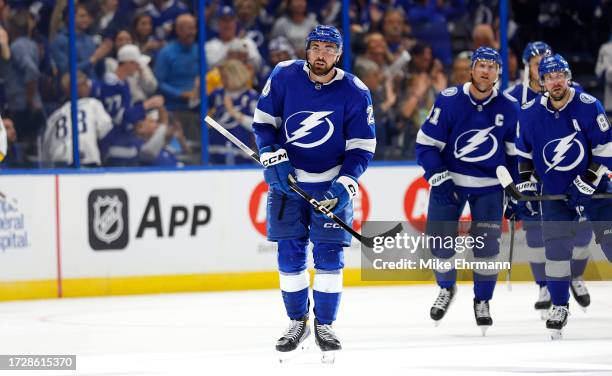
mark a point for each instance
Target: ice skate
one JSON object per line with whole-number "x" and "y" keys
{"x": 580, "y": 293}
{"x": 557, "y": 320}
{"x": 482, "y": 315}
{"x": 293, "y": 340}
{"x": 327, "y": 341}
{"x": 543, "y": 303}
{"x": 442, "y": 303}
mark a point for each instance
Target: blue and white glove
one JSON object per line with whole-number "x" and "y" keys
{"x": 524, "y": 209}
{"x": 443, "y": 189}
{"x": 278, "y": 168}
{"x": 341, "y": 192}
{"x": 579, "y": 195}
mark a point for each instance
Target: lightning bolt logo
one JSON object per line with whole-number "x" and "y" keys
{"x": 560, "y": 150}
{"x": 307, "y": 126}
{"x": 478, "y": 138}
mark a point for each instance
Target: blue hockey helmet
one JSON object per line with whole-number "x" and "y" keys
{"x": 536, "y": 48}
{"x": 487, "y": 53}
{"x": 553, "y": 63}
{"x": 325, "y": 33}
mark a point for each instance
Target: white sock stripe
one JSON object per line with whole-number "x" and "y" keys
{"x": 486, "y": 271}
{"x": 558, "y": 269}
{"x": 537, "y": 255}
{"x": 328, "y": 282}
{"x": 292, "y": 282}
{"x": 581, "y": 253}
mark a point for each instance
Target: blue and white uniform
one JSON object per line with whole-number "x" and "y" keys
{"x": 328, "y": 132}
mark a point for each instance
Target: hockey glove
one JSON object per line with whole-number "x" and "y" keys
{"x": 341, "y": 192}
{"x": 278, "y": 168}
{"x": 579, "y": 195}
{"x": 443, "y": 189}
{"x": 526, "y": 209}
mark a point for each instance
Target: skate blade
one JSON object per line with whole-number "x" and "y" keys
{"x": 584, "y": 309}
{"x": 483, "y": 329}
{"x": 284, "y": 357}
{"x": 556, "y": 334}
{"x": 543, "y": 314}
{"x": 436, "y": 323}
{"x": 328, "y": 357}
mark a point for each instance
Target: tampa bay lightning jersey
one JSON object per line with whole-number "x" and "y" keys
{"x": 516, "y": 92}
{"x": 327, "y": 129}
{"x": 114, "y": 95}
{"x": 469, "y": 138}
{"x": 562, "y": 143}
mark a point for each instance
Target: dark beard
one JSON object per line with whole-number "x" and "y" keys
{"x": 480, "y": 90}
{"x": 559, "y": 97}
{"x": 320, "y": 71}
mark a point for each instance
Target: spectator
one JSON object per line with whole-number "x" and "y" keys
{"x": 94, "y": 125}
{"x": 383, "y": 100}
{"x": 234, "y": 107}
{"x": 295, "y": 25}
{"x": 377, "y": 51}
{"x": 154, "y": 134}
{"x": 603, "y": 70}
{"x": 143, "y": 83}
{"x": 22, "y": 90}
{"x": 14, "y": 157}
{"x": 164, "y": 13}
{"x": 279, "y": 49}
{"x": 252, "y": 23}
{"x": 88, "y": 55}
{"x": 142, "y": 32}
{"x": 216, "y": 48}
{"x": 483, "y": 36}
{"x": 114, "y": 90}
{"x": 5, "y": 61}
{"x": 462, "y": 66}
{"x": 395, "y": 29}
{"x": 176, "y": 69}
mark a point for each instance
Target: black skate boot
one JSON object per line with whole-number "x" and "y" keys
{"x": 580, "y": 292}
{"x": 327, "y": 341}
{"x": 443, "y": 301}
{"x": 557, "y": 320}
{"x": 293, "y": 338}
{"x": 543, "y": 303}
{"x": 482, "y": 315}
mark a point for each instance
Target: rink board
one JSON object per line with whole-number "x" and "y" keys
{"x": 170, "y": 231}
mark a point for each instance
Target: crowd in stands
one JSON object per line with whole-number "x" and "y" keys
{"x": 138, "y": 67}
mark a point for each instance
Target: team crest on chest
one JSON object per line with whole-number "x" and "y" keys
{"x": 476, "y": 145}
{"x": 563, "y": 154}
{"x": 308, "y": 129}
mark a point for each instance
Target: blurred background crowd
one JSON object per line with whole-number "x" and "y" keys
{"x": 138, "y": 67}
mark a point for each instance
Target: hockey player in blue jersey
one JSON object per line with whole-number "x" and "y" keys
{"x": 315, "y": 122}
{"x": 564, "y": 139}
{"x": 469, "y": 132}
{"x": 525, "y": 92}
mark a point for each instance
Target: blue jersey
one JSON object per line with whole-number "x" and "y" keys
{"x": 220, "y": 149}
{"x": 468, "y": 138}
{"x": 114, "y": 95}
{"x": 328, "y": 130}
{"x": 562, "y": 143}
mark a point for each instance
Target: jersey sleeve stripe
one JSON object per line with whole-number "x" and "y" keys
{"x": 424, "y": 139}
{"x": 604, "y": 150}
{"x": 317, "y": 177}
{"x": 367, "y": 144}
{"x": 265, "y": 118}
{"x": 523, "y": 154}
{"x": 511, "y": 148}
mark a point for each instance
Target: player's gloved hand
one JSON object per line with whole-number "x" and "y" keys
{"x": 579, "y": 195}
{"x": 443, "y": 189}
{"x": 527, "y": 208}
{"x": 342, "y": 191}
{"x": 511, "y": 210}
{"x": 278, "y": 168}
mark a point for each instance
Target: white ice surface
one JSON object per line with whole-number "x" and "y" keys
{"x": 383, "y": 330}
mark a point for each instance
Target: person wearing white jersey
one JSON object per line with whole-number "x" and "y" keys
{"x": 94, "y": 124}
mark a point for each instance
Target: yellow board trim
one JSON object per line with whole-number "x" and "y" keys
{"x": 80, "y": 287}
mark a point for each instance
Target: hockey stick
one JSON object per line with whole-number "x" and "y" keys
{"x": 505, "y": 179}
{"x": 367, "y": 241}
{"x": 512, "y": 230}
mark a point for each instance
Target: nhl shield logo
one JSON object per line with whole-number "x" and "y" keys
{"x": 108, "y": 219}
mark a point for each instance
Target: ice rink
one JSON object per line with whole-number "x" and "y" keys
{"x": 383, "y": 329}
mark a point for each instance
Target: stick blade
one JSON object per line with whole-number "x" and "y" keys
{"x": 505, "y": 179}
{"x": 369, "y": 241}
